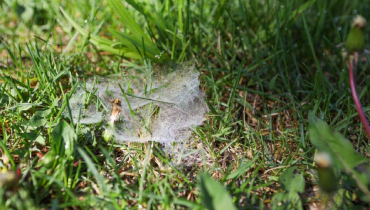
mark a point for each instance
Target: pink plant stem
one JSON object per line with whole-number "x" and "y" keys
{"x": 355, "y": 96}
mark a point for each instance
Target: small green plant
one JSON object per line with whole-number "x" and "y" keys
{"x": 293, "y": 184}
{"x": 345, "y": 158}
{"x": 332, "y": 145}
{"x": 214, "y": 195}
{"x": 355, "y": 45}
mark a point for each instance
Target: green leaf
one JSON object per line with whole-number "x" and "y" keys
{"x": 340, "y": 150}
{"x": 28, "y": 135}
{"x": 63, "y": 139}
{"x": 40, "y": 140}
{"x": 48, "y": 158}
{"x": 38, "y": 119}
{"x": 28, "y": 14}
{"x": 272, "y": 82}
{"x": 24, "y": 106}
{"x": 280, "y": 198}
{"x": 286, "y": 201}
{"x": 292, "y": 180}
{"x": 4, "y": 99}
{"x": 214, "y": 195}
{"x": 19, "y": 9}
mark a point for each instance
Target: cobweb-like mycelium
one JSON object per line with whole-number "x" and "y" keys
{"x": 162, "y": 107}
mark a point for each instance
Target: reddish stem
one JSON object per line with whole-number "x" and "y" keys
{"x": 355, "y": 97}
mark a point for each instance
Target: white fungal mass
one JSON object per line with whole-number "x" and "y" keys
{"x": 165, "y": 107}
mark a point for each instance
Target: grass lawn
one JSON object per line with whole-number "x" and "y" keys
{"x": 248, "y": 73}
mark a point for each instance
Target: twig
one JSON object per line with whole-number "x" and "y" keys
{"x": 271, "y": 169}
{"x": 355, "y": 96}
{"x": 255, "y": 101}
